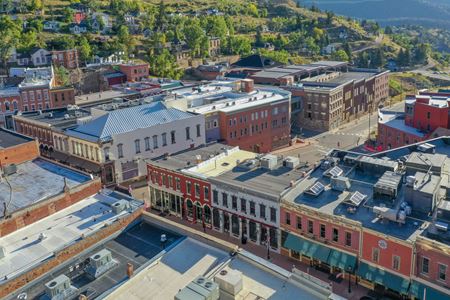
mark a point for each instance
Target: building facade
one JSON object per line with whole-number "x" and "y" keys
{"x": 135, "y": 71}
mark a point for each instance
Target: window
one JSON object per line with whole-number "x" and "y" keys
{"x": 170, "y": 181}
{"x": 155, "y": 141}
{"x": 164, "y": 139}
{"x": 310, "y": 227}
{"x": 425, "y": 265}
{"x": 375, "y": 254}
{"x": 252, "y": 208}
{"x": 188, "y": 187}
{"x": 262, "y": 211}
{"x": 199, "y": 133}
{"x": 234, "y": 202}
{"x": 243, "y": 205}
{"x": 335, "y": 234}
{"x": 428, "y": 115}
{"x": 273, "y": 214}
{"x": 288, "y": 218}
{"x": 178, "y": 183}
{"x": 215, "y": 197}
{"x": 197, "y": 190}
{"x": 322, "y": 231}
{"x": 225, "y": 199}
{"x": 137, "y": 146}
{"x": 120, "y": 150}
{"x": 106, "y": 153}
{"x": 396, "y": 262}
{"x": 299, "y": 223}
{"x": 147, "y": 143}
{"x": 206, "y": 192}
{"x": 188, "y": 133}
{"x": 172, "y": 137}
{"x": 442, "y": 270}
{"x": 275, "y": 111}
{"x": 348, "y": 239}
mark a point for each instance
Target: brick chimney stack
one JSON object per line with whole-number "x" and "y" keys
{"x": 130, "y": 270}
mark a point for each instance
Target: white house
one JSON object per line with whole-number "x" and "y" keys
{"x": 51, "y": 26}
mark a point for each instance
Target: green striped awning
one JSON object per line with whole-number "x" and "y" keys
{"x": 422, "y": 291}
{"x": 383, "y": 277}
{"x": 308, "y": 248}
{"x": 342, "y": 260}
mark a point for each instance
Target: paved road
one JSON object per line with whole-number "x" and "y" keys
{"x": 350, "y": 136}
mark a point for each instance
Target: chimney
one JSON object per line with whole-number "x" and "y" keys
{"x": 247, "y": 85}
{"x": 130, "y": 270}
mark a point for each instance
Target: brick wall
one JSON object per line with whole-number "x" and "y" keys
{"x": 66, "y": 254}
{"x": 45, "y": 208}
{"x": 19, "y": 154}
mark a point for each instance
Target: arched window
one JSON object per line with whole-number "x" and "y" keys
{"x": 235, "y": 224}
{"x": 189, "y": 208}
{"x": 198, "y": 212}
{"x": 207, "y": 213}
{"x": 15, "y": 105}
{"x": 7, "y": 106}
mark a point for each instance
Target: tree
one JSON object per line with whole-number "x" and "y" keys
{"x": 164, "y": 65}
{"x": 161, "y": 18}
{"x": 62, "y": 76}
{"x": 216, "y": 26}
{"x": 259, "y": 41}
{"x": 378, "y": 59}
{"x": 238, "y": 45}
{"x": 348, "y": 50}
{"x": 340, "y": 55}
{"x": 10, "y": 33}
{"x": 194, "y": 36}
{"x": 84, "y": 48}
{"x": 421, "y": 53}
{"x": 388, "y": 30}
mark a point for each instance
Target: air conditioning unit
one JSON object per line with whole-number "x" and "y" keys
{"x": 200, "y": 288}
{"x": 120, "y": 206}
{"x": 269, "y": 161}
{"x": 60, "y": 288}
{"x": 230, "y": 282}
{"x": 100, "y": 263}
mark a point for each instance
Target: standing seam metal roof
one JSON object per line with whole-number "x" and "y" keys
{"x": 127, "y": 120}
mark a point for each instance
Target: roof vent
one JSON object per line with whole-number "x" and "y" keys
{"x": 2, "y": 252}
{"x": 120, "y": 206}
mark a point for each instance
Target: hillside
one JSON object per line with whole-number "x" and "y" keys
{"x": 434, "y": 13}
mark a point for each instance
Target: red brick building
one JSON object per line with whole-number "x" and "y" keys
{"x": 66, "y": 58}
{"x": 16, "y": 148}
{"x": 425, "y": 116}
{"x": 135, "y": 71}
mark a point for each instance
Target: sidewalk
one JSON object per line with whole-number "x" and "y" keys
{"x": 285, "y": 262}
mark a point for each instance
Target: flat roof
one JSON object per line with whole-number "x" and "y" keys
{"x": 221, "y": 163}
{"x": 340, "y": 78}
{"x": 397, "y": 122}
{"x": 137, "y": 245}
{"x": 188, "y": 158}
{"x": 35, "y": 181}
{"x": 59, "y": 117}
{"x": 10, "y": 139}
{"x": 190, "y": 259}
{"x": 88, "y": 99}
{"x": 259, "y": 180}
{"x": 24, "y": 248}
{"x": 335, "y": 202}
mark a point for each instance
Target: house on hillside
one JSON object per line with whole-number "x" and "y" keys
{"x": 51, "y": 26}
{"x": 75, "y": 28}
{"x": 36, "y": 57}
{"x": 101, "y": 22}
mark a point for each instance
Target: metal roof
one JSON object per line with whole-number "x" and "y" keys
{"x": 127, "y": 120}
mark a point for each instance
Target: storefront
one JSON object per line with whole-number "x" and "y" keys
{"x": 379, "y": 279}
{"x": 421, "y": 291}
{"x": 323, "y": 258}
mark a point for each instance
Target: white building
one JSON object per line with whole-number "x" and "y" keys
{"x": 246, "y": 200}
{"x": 126, "y": 137}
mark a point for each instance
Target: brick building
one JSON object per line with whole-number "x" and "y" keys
{"x": 66, "y": 58}
{"x": 135, "y": 71}
{"x": 237, "y": 113}
{"x": 179, "y": 183}
{"x": 365, "y": 218}
{"x": 330, "y": 100}
{"x": 33, "y": 89}
{"x": 16, "y": 148}
{"x": 426, "y": 115}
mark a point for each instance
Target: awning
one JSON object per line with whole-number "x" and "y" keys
{"x": 383, "y": 277}
{"x": 419, "y": 290}
{"x": 311, "y": 249}
{"x": 342, "y": 260}
{"x": 84, "y": 164}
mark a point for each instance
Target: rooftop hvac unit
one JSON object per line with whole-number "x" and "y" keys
{"x": 59, "y": 288}
{"x": 389, "y": 214}
{"x": 10, "y": 169}
{"x": 230, "y": 282}
{"x": 340, "y": 183}
{"x": 441, "y": 226}
{"x": 269, "y": 161}
{"x": 100, "y": 263}
{"x": 200, "y": 288}
{"x": 291, "y": 162}
{"x": 427, "y": 148}
{"x": 120, "y": 206}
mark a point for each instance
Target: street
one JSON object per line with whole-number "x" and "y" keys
{"x": 350, "y": 136}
